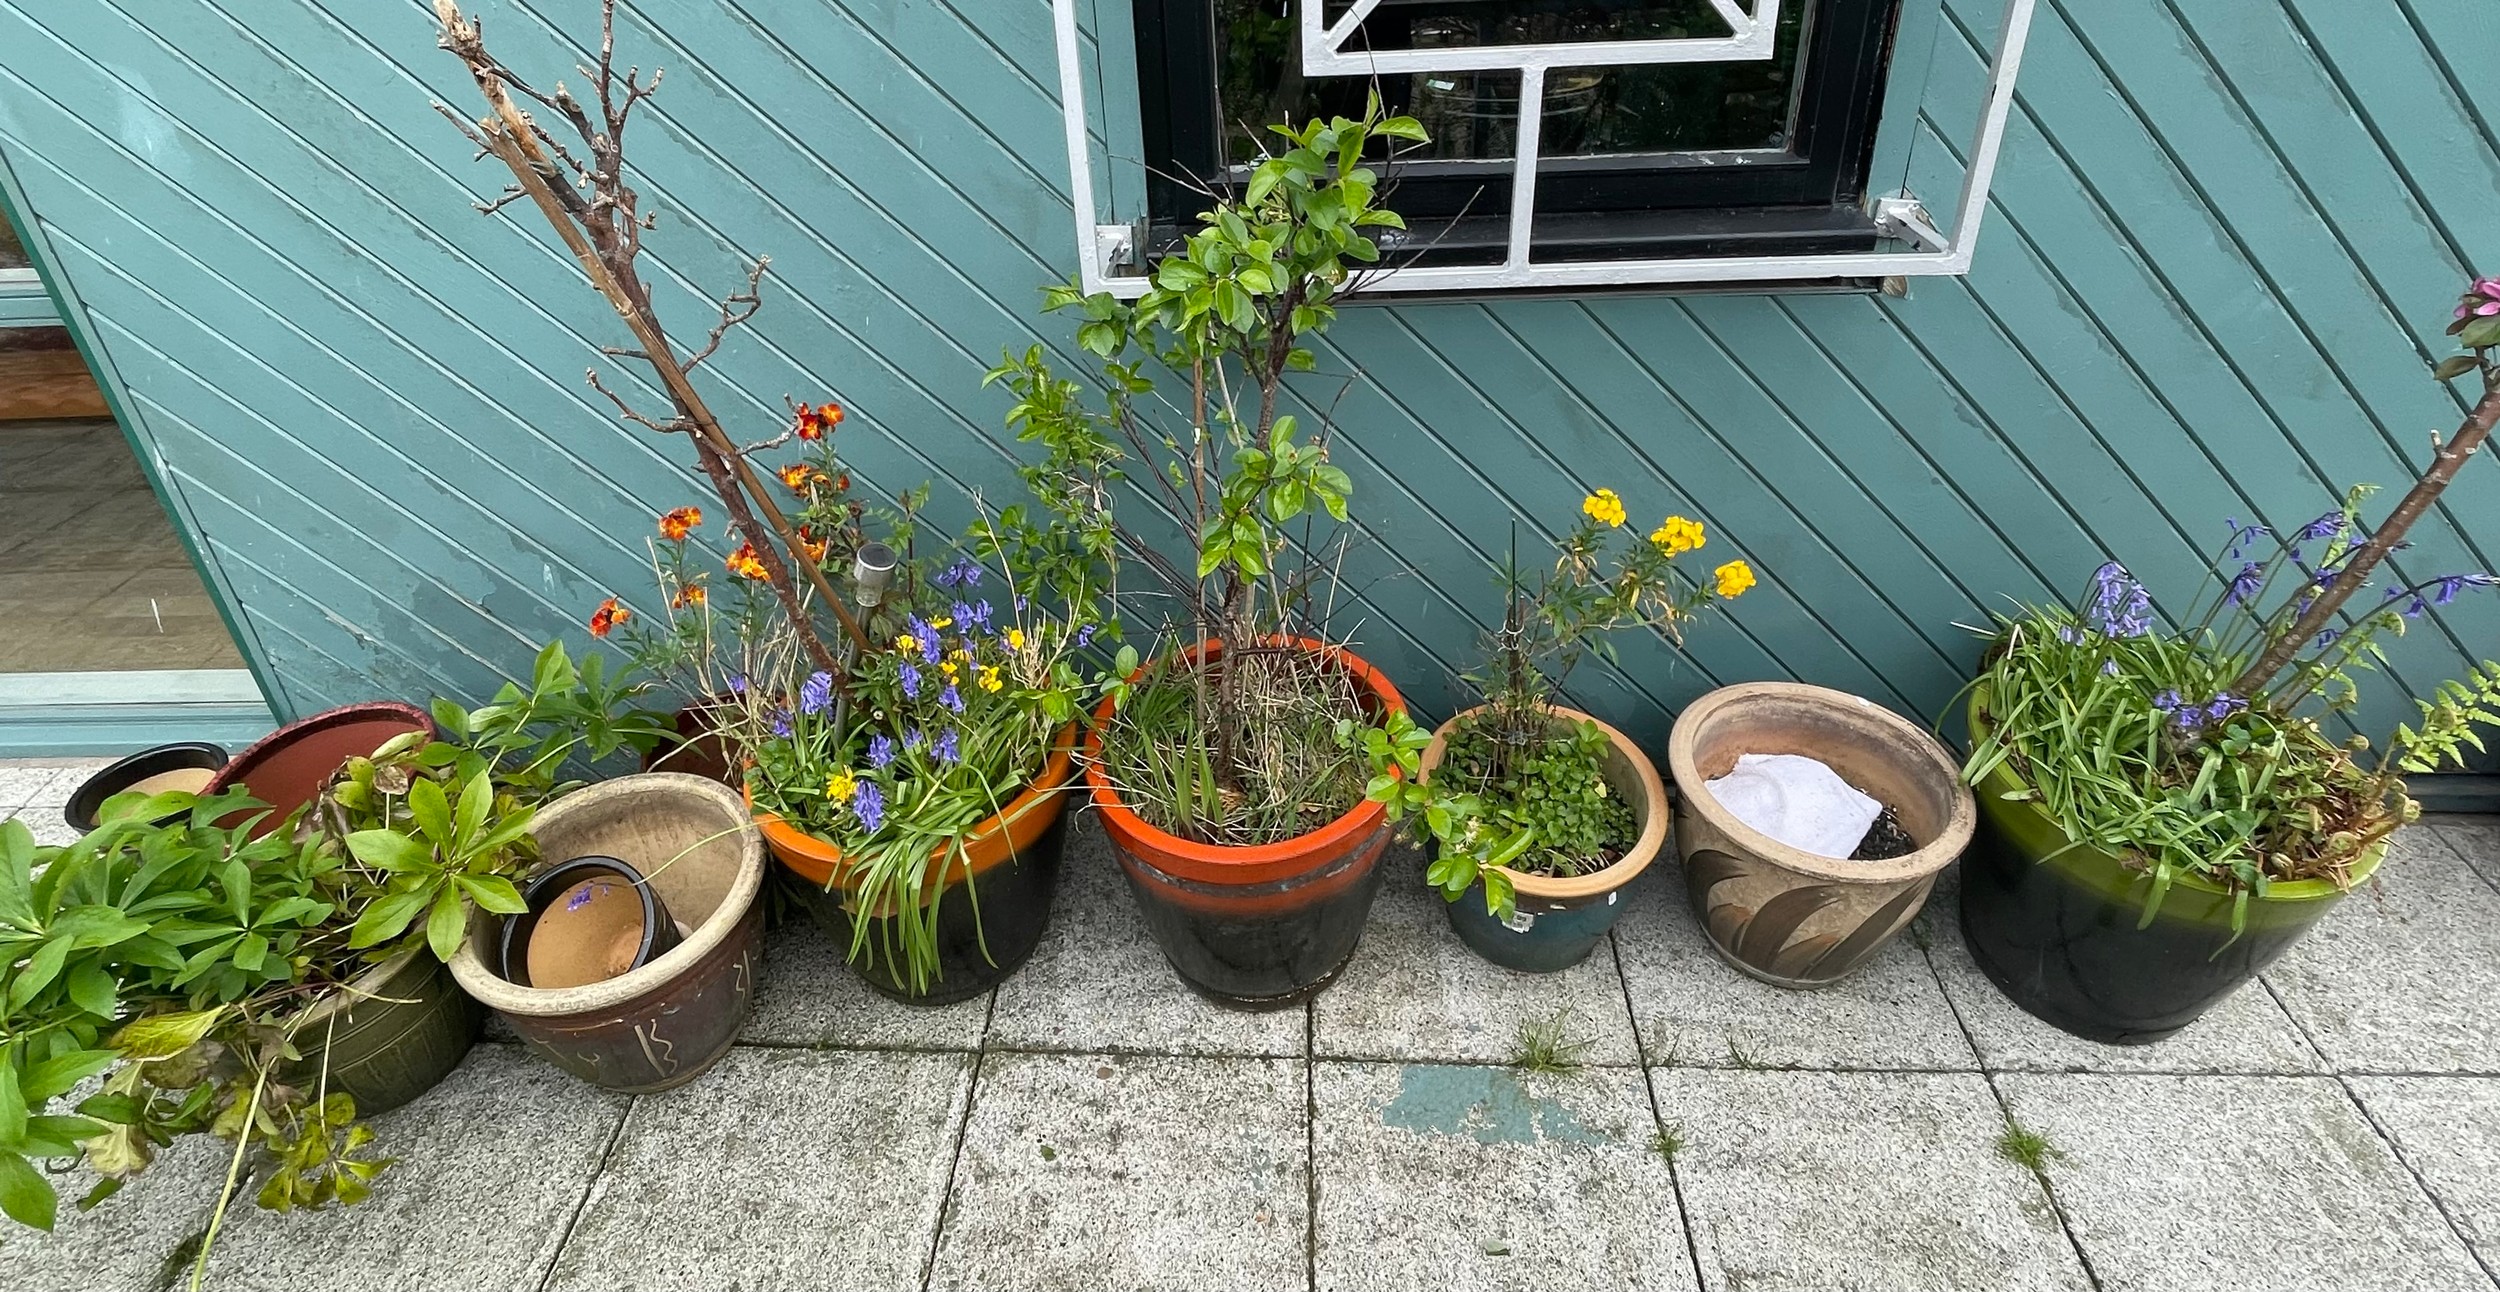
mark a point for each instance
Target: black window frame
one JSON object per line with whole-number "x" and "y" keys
{"x": 1613, "y": 207}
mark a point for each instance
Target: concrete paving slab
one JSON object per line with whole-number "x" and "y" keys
{"x": 2235, "y": 1184}
{"x": 20, "y": 786}
{"x": 1823, "y": 1180}
{"x": 1415, "y": 992}
{"x": 1097, "y": 984}
{"x": 1450, "y": 1179}
{"x": 1106, "y": 1173}
{"x": 1695, "y": 1011}
{"x": 2400, "y": 977}
{"x": 491, "y": 1165}
{"x": 2447, "y": 1130}
{"x": 2477, "y": 838}
{"x": 779, "y": 1169}
{"x": 2246, "y": 1032}
{"x": 809, "y": 996}
{"x": 46, "y": 824}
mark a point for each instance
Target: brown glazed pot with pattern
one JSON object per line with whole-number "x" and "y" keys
{"x": 1780, "y": 914}
{"x": 658, "y": 1026}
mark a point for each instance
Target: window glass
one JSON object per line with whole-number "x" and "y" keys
{"x": 1589, "y": 112}
{"x": 12, "y": 251}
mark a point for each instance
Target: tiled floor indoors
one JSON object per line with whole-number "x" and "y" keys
{"x": 91, "y": 574}
{"x": 1091, "y": 1125}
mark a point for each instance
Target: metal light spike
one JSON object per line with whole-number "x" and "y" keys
{"x": 871, "y": 570}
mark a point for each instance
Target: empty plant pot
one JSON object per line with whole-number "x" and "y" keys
{"x": 662, "y": 1024}
{"x": 389, "y": 1035}
{"x": 1560, "y": 919}
{"x": 288, "y": 767}
{"x": 1781, "y": 914}
{"x": 188, "y": 766}
{"x": 993, "y": 901}
{"x": 589, "y": 920}
{"x": 1257, "y": 927}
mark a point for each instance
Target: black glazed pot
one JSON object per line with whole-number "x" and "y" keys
{"x": 88, "y": 799}
{"x": 983, "y": 932}
{"x": 659, "y": 931}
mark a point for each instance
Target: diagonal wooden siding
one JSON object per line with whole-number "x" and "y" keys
{"x": 2222, "y": 246}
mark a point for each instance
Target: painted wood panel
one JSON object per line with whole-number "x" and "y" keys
{"x": 2221, "y": 246}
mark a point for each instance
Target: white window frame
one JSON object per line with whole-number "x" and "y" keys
{"x": 1107, "y": 253}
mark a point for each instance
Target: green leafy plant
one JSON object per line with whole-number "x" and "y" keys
{"x": 1549, "y": 1045}
{"x": 1668, "y": 1141}
{"x": 1229, "y": 312}
{"x": 2027, "y": 1149}
{"x": 1518, "y": 788}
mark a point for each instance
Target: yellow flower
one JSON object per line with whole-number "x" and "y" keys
{"x": 839, "y": 786}
{"x": 1734, "y": 578}
{"x": 907, "y": 642}
{"x": 948, "y": 668}
{"x": 942, "y": 621}
{"x": 1604, "y": 507}
{"x": 1015, "y": 639}
{"x": 989, "y": 678}
{"x": 1676, "y": 535}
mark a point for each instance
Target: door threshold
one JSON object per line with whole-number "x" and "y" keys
{"x": 107, "y": 713}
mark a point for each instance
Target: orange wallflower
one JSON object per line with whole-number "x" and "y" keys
{"x": 745, "y": 563}
{"x": 679, "y": 522}
{"x": 798, "y": 476}
{"x": 814, "y": 547}
{"x": 690, "y": 595}
{"x": 608, "y": 617}
{"x": 814, "y": 423}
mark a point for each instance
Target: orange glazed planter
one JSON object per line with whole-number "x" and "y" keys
{"x": 1263, "y": 926}
{"x": 993, "y": 898}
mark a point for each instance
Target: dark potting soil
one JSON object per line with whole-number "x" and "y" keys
{"x": 1885, "y": 840}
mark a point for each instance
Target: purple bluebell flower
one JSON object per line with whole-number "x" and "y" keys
{"x": 781, "y": 722}
{"x": 1085, "y": 636}
{"x": 2451, "y": 585}
{"x": 2418, "y": 609}
{"x": 952, "y": 699}
{"x": 927, "y": 639}
{"x": 2168, "y": 701}
{"x": 2109, "y": 668}
{"x": 910, "y": 678}
{"x": 868, "y": 804}
{"x": 881, "y": 752}
{"x": 2327, "y": 637}
{"x": 737, "y": 684}
{"x": 2223, "y": 706}
{"x": 2245, "y": 584}
{"x": 2326, "y": 526}
{"x": 2241, "y": 538}
{"x": 2069, "y": 634}
{"x": 2120, "y": 606}
{"x": 946, "y": 750}
{"x": 964, "y": 573}
{"x": 816, "y": 692}
{"x": 915, "y": 738}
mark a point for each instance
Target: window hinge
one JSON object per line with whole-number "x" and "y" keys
{"x": 1903, "y": 218}
{"x": 1116, "y": 249}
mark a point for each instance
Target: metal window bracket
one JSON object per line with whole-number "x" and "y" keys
{"x": 1113, "y": 255}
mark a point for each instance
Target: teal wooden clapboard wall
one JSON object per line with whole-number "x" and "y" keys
{"x": 2224, "y": 240}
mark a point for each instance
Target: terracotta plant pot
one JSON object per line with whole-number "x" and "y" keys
{"x": 659, "y": 1026}
{"x": 1259, "y": 927}
{"x": 287, "y": 768}
{"x": 589, "y": 920}
{"x": 391, "y": 1034}
{"x": 2061, "y": 930}
{"x": 993, "y": 901}
{"x": 190, "y": 766}
{"x": 1781, "y": 914}
{"x": 1560, "y": 919}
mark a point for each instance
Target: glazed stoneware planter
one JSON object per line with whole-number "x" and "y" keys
{"x": 993, "y": 898}
{"x": 188, "y": 766}
{"x": 659, "y": 1026}
{"x": 288, "y": 767}
{"x": 1781, "y": 914}
{"x": 1261, "y": 927}
{"x": 1561, "y": 919}
{"x": 2061, "y": 930}
{"x": 391, "y": 1034}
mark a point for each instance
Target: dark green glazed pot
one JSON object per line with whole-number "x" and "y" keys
{"x": 391, "y": 1035}
{"x": 2061, "y": 930}
{"x": 1559, "y": 920}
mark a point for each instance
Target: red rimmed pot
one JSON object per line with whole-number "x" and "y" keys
{"x": 1264, "y": 926}
{"x": 992, "y": 900}
{"x": 287, "y": 768}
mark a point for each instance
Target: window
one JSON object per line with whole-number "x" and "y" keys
{"x": 1695, "y": 128}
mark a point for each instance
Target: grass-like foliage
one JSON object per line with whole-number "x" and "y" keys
{"x": 1549, "y": 1045}
{"x": 2027, "y": 1149}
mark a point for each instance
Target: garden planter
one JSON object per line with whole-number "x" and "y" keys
{"x": 2061, "y": 930}
{"x": 993, "y": 899}
{"x": 589, "y": 919}
{"x": 288, "y": 768}
{"x": 661, "y": 1025}
{"x": 188, "y": 766}
{"x": 699, "y": 749}
{"x": 1259, "y": 927}
{"x": 391, "y": 1034}
{"x": 1787, "y": 916}
{"x": 1560, "y": 920}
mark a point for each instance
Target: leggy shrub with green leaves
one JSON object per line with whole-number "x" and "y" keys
{"x": 1520, "y": 788}
{"x": 2195, "y": 747}
{"x": 1242, "y": 752}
